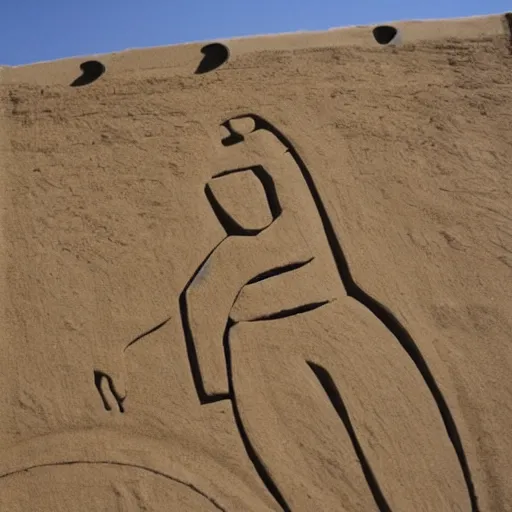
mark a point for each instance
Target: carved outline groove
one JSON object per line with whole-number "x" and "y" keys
{"x": 115, "y": 463}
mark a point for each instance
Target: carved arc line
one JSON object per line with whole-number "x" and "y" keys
{"x": 146, "y": 333}
{"x": 277, "y": 272}
{"x": 123, "y": 464}
{"x": 269, "y": 274}
{"x": 105, "y": 446}
{"x": 230, "y": 225}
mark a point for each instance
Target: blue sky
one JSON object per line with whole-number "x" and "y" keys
{"x": 36, "y": 30}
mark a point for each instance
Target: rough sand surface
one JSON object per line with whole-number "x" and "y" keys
{"x": 276, "y": 282}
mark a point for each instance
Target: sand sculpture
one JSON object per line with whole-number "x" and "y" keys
{"x": 263, "y": 274}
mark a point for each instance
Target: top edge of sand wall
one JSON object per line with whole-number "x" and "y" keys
{"x": 64, "y": 71}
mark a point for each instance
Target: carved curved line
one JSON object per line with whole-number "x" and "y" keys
{"x": 100, "y": 445}
{"x": 334, "y": 396}
{"x": 204, "y": 398}
{"x": 277, "y": 271}
{"x": 297, "y": 310}
{"x": 269, "y": 274}
{"x": 379, "y": 310}
{"x": 147, "y": 333}
{"x": 125, "y": 464}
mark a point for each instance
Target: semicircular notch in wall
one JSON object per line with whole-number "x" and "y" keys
{"x": 385, "y": 34}
{"x": 215, "y": 55}
{"x": 91, "y": 71}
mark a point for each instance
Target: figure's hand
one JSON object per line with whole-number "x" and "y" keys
{"x": 112, "y": 390}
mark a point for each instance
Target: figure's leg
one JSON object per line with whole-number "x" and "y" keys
{"x": 293, "y": 435}
{"x": 392, "y": 412}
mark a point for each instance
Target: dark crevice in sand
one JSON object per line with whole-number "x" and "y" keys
{"x": 124, "y": 464}
{"x": 336, "y": 400}
{"x": 215, "y": 55}
{"x": 230, "y": 225}
{"x": 378, "y": 309}
{"x": 284, "y": 313}
{"x": 147, "y": 333}
{"x": 99, "y": 377}
{"x": 91, "y": 71}
{"x": 279, "y": 270}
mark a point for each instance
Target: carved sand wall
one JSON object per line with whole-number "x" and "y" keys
{"x": 266, "y": 274}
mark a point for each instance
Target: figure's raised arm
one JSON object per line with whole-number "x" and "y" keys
{"x": 212, "y": 293}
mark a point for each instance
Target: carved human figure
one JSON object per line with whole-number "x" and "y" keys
{"x": 274, "y": 322}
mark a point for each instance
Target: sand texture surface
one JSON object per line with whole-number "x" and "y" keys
{"x": 266, "y": 274}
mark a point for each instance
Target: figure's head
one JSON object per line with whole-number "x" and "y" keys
{"x": 244, "y": 200}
